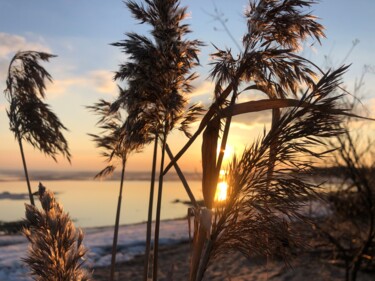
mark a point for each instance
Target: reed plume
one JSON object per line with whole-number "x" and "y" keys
{"x": 268, "y": 63}
{"x": 158, "y": 75}
{"x": 56, "y": 251}
{"x": 30, "y": 118}
{"x": 256, "y": 215}
{"x": 120, "y": 137}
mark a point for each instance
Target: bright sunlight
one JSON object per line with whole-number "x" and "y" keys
{"x": 221, "y": 191}
{"x": 222, "y": 188}
{"x": 228, "y": 153}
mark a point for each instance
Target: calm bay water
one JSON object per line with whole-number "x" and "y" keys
{"x": 93, "y": 203}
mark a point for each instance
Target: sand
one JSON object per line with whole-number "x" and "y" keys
{"x": 174, "y": 262}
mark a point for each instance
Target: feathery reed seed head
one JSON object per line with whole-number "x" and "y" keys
{"x": 56, "y": 251}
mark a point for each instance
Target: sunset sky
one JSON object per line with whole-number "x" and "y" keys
{"x": 80, "y": 31}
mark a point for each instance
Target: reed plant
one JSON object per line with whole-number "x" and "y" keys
{"x": 269, "y": 63}
{"x": 265, "y": 192}
{"x": 256, "y": 216}
{"x": 350, "y": 229}
{"x": 31, "y": 119}
{"x": 120, "y": 137}
{"x": 56, "y": 251}
{"x": 158, "y": 75}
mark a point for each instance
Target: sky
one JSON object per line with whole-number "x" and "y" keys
{"x": 80, "y": 33}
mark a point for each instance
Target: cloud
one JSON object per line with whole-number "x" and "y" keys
{"x": 203, "y": 88}
{"x": 371, "y": 107}
{"x": 100, "y": 81}
{"x": 60, "y": 87}
{"x": 253, "y": 118}
{"x": 243, "y": 126}
{"x": 11, "y": 43}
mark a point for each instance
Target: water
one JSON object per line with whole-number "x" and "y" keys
{"x": 93, "y": 203}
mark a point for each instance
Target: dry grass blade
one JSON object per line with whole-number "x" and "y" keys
{"x": 204, "y": 122}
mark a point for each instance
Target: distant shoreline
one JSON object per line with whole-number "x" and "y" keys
{"x": 57, "y": 175}
{"x": 45, "y": 175}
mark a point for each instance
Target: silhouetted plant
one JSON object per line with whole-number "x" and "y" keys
{"x": 158, "y": 77}
{"x": 263, "y": 188}
{"x": 56, "y": 251}
{"x": 30, "y": 118}
{"x": 256, "y": 215}
{"x": 269, "y": 63}
{"x": 351, "y": 227}
{"x": 119, "y": 138}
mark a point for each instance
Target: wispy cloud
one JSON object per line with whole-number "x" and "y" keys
{"x": 102, "y": 80}
{"x": 249, "y": 120}
{"x": 371, "y": 107}
{"x": 242, "y": 126}
{"x": 203, "y": 88}
{"x": 99, "y": 81}
{"x": 11, "y": 43}
{"x": 61, "y": 87}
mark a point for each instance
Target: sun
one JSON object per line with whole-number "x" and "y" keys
{"x": 228, "y": 153}
{"x": 221, "y": 191}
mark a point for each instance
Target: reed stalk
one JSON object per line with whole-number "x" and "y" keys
{"x": 182, "y": 179}
{"x": 30, "y": 118}
{"x": 117, "y": 223}
{"x": 158, "y": 210}
{"x": 150, "y": 209}
{"x": 31, "y": 197}
{"x": 119, "y": 138}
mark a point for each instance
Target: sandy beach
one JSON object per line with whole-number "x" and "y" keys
{"x": 233, "y": 267}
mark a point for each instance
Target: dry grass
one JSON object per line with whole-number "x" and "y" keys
{"x": 56, "y": 251}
